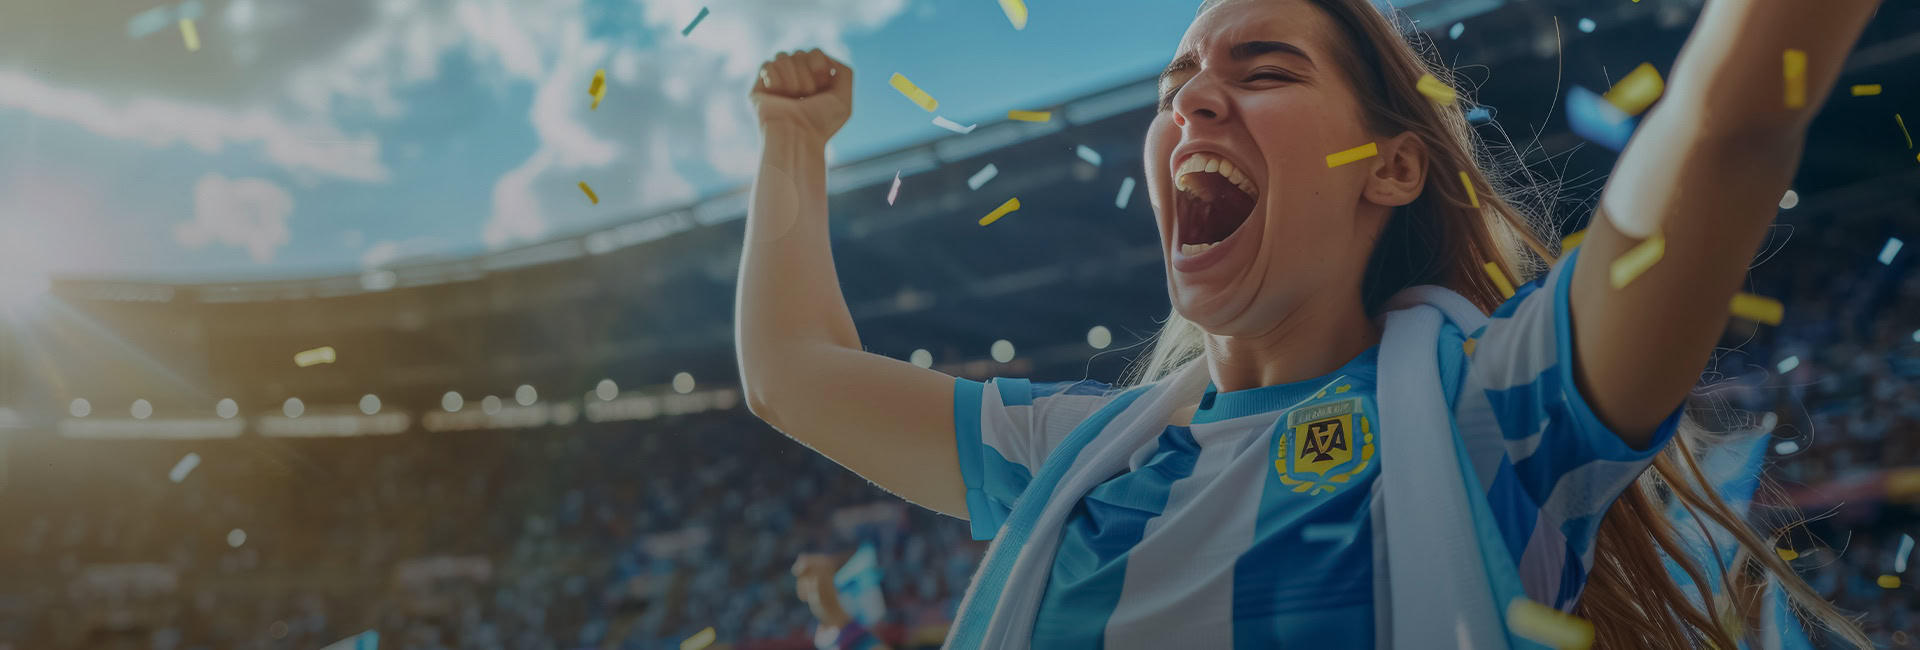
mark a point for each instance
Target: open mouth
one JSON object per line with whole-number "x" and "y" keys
{"x": 1215, "y": 199}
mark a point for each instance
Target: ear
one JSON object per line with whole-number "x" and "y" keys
{"x": 1400, "y": 171}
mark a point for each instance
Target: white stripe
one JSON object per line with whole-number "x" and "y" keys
{"x": 1178, "y": 591}
{"x": 1588, "y": 490}
{"x": 1544, "y": 560}
{"x": 1523, "y": 448}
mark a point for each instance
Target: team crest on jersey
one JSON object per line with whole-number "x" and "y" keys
{"x": 1324, "y": 445}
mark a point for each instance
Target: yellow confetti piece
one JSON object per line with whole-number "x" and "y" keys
{"x": 1343, "y": 388}
{"x": 1757, "y": 308}
{"x": 1637, "y": 261}
{"x": 1794, "y": 67}
{"x": 590, "y": 195}
{"x": 699, "y": 641}
{"x": 1468, "y": 345}
{"x": 914, "y": 93}
{"x": 1030, "y": 116}
{"x": 1572, "y": 240}
{"x": 1903, "y": 129}
{"x": 1787, "y": 554}
{"x": 1016, "y": 12}
{"x": 191, "y": 35}
{"x": 1638, "y": 90}
{"x": 997, "y": 213}
{"x": 1499, "y": 279}
{"x": 1549, "y": 626}
{"x": 1863, "y": 90}
{"x": 1471, "y": 196}
{"x": 314, "y": 357}
{"x": 1435, "y": 90}
{"x": 1889, "y": 582}
{"x": 1361, "y": 152}
{"x": 599, "y": 87}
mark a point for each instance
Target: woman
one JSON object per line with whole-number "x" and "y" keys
{"x": 1251, "y": 519}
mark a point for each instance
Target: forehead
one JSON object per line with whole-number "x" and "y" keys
{"x": 1235, "y": 21}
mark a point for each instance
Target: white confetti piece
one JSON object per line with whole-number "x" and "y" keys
{"x": 1088, "y": 154}
{"x": 1786, "y": 447}
{"x": 184, "y": 467}
{"x": 316, "y": 356}
{"x": 1891, "y": 249}
{"x": 1126, "y": 193}
{"x": 1900, "y": 559}
{"x": 895, "y": 192}
{"x": 1788, "y": 364}
{"x": 953, "y": 126}
{"x": 981, "y": 177}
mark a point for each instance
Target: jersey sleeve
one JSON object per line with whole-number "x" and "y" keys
{"x": 1549, "y": 466}
{"x": 1004, "y": 429}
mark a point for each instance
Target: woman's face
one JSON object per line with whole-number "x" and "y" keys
{"x": 1253, "y": 222}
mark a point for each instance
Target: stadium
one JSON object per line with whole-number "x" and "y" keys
{"x": 546, "y": 446}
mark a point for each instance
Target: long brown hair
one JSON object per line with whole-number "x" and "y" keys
{"x": 1441, "y": 238}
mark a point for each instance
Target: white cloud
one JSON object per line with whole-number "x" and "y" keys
{"x": 250, "y": 213}
{"x": 516, "y": 209}
{"x": 163, "y": 123}
{"x": 379, "y": 254}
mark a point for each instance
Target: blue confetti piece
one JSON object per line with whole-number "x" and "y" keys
{"x": 1480, "y": 115}
{"x": 1597, "y": 121}
{"x": 149, "y": 21}
{"x": 1458, "y": 29}
{"x": 695, "y": 23}
{"x": 1126, "y": 194}
{"x": 1892, "y": 248}
{"x": 1586, "y": 25}
{"x": 1088, "y": 154}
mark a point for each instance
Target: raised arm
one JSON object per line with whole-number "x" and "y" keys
{"x": 1706, "y": 169}
{"x": 801, "y": 364}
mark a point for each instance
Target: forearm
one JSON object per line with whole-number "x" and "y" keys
{"x": 789, "y": 297}
{"x": 1732, "y": 68}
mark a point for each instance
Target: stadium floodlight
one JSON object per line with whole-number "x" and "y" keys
{"x": 452, "y": 402}
{"x": 293, "y": 407}
{"x": 80, "y": 407}
{"x": 1791, "y": 199}
{"x": 236, "y": 537}
{"x": 1099, "y": 337}
{"x": 142, "y": 409}
{"x": 226, "y": 409}
{"x": 490, "y": 405}
{"x": 525, "y": 395}
{"x": 1002, "y": 350}
{"x": 606, "y": 390}
{"x": 683, "y": 383}
{"x": 369, "y": 404}
{"x": 921, "y": 358}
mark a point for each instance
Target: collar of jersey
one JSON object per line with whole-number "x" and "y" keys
{"x": 1216, "y": 406}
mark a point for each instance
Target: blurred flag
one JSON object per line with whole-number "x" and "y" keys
{"x": 858, "y": 582}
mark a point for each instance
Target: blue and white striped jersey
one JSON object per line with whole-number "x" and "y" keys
{"x": 1250, "y": 527}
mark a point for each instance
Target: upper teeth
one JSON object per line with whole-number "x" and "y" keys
{"x": 1201, "y": 162}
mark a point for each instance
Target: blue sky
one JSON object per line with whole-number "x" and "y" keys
{"x": 308, "y": 138}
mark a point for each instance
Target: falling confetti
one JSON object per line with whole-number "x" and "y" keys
{"x": 1637, "y": 261}
{"x": 1891, "y": 249}
{"x": 1456, "y": 31}
{"x": 590, "y": 195}
{"x": 914, "y": 93}
{"x": 895, "y": 192}
{"x": 1572, "y": 240}
{"x": 1009, "y": 206}
{"x": 981, "y": 177}
{"x": 1889, "y": 582}
{"x": 1864, "y": 90}
{"x": 1788, "y": 364}
{"x": 1480, "y": 115}
{"x": 1499, "y": 279}
{"x": 598, "y": 88}
{"x": 184, "y": 467}
{"x": 1638, "y": 90}
{"x": 1757, "y": 308}
{"x": 1596, "y": 120}
{"x": 1088, "y": 154}
{"x": 1903, "y": 129}
{"x": 1016, "y": 12}
{"x": 1472, "y": 197}
{"x": 1435, "y": 90}
{"x": 1587, "y": 25}
{"x": 1794, "y": 67}
{"x": 191, "y": 35}
{"x": 1900, "y": 558}
{"x": 1030, "y": 116}
{"x": 1548, "y": 626}
{"x": 695, "y": 23}
{"x": 1361, "y": 152}
{"x": 1468, "y": 345}
{"x": 1787, "y": 553}
{"x": 1126, "y": 194}
{"x": 699, "y": 641}
{"x": 314, "y": 357}
{"x": 953, "y": 126}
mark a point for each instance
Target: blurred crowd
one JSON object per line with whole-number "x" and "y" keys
{"x": 640, "y": 534}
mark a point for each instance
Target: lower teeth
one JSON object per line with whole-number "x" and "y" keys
{"x": 1194, "y": 249}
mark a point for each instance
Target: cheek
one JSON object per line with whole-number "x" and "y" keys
{"x": 1162, "y": 137}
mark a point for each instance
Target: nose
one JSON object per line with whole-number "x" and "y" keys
{"x": 1200, "y": 100}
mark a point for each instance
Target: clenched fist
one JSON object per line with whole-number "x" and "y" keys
{"x": 808, "y": 91}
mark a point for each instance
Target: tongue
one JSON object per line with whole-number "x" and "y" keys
{"x": 1216, "y": 218}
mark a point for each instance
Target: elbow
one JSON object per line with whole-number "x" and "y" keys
{"x": 758, "y": 402}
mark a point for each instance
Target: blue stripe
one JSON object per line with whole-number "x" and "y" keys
{"x": 1014, "y": 392}
{"x": 1284, "y": 587}
{"x": 1082, "y": 387}
{"x": 1005, "y": 481}
{"x": 966, "y": 442}
{"x": 1083, "y": 587}
{"x": 1516, "y": 512}
{"x": 1605, "y": 444}
{"x": 970, "y": 630}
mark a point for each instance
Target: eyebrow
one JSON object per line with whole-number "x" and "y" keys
{"x": 1240, "y": 52}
